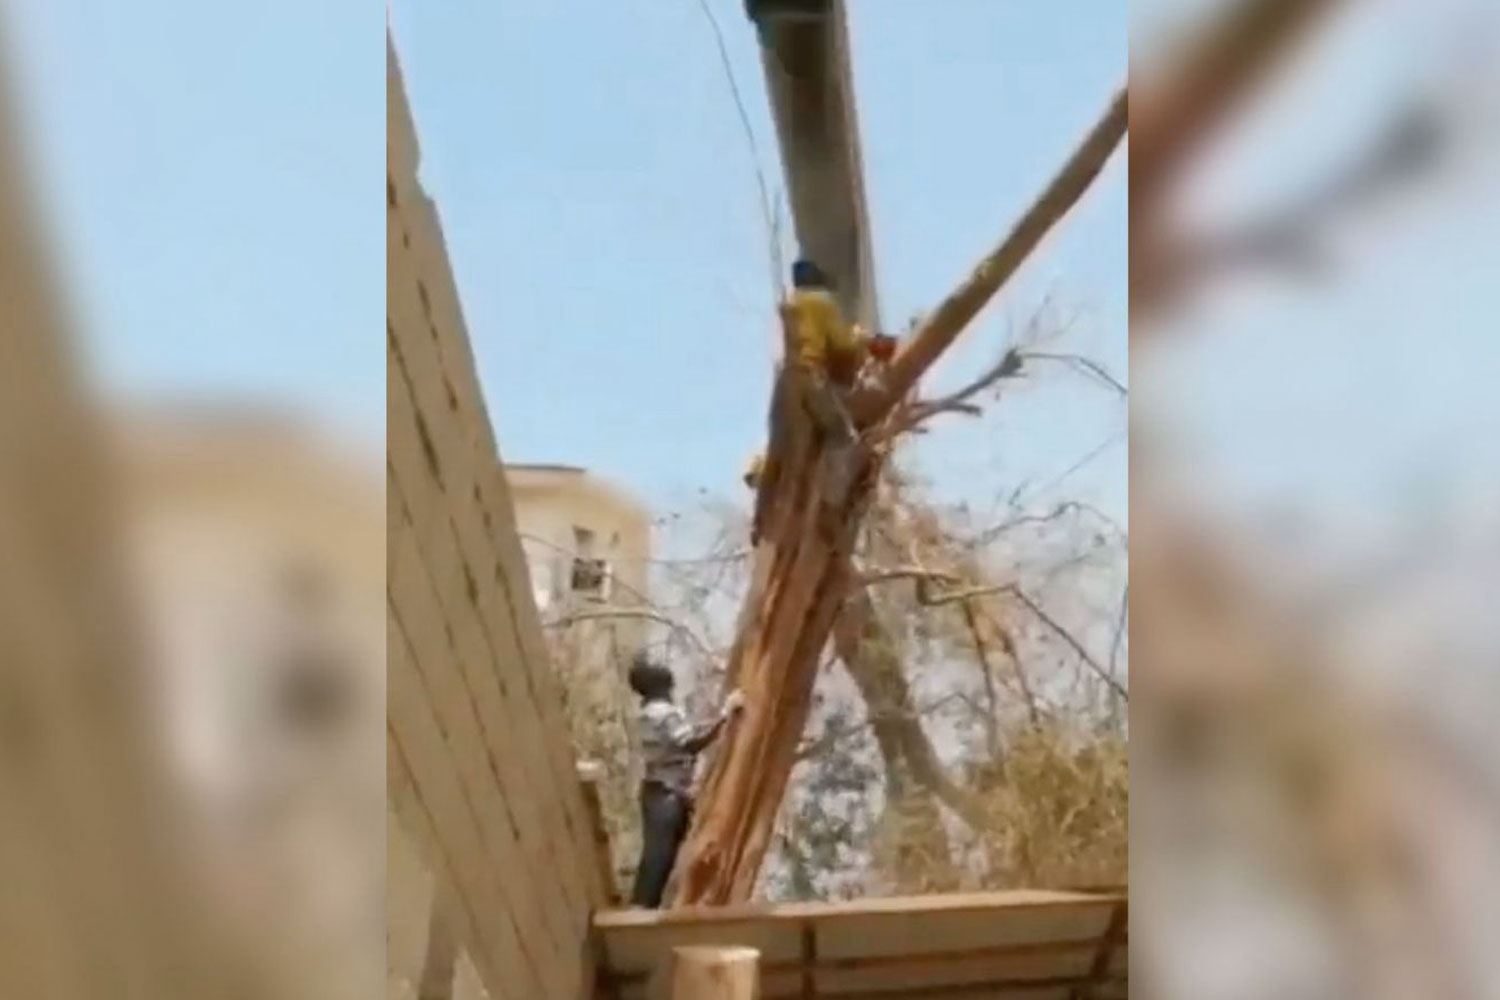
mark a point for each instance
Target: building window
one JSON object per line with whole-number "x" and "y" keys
{"x": 583, "y": 543}
{"x": 590, "y": 577}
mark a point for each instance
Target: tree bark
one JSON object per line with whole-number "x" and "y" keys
{"x": 797, "y": 588}
{"x": 868, "y": 653}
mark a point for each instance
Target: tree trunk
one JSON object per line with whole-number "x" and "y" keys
{"x": 796, "y": 591}
{"x": 870, "y": 656}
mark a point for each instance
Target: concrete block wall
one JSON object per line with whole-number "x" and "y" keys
{"x": 480, "y": 772}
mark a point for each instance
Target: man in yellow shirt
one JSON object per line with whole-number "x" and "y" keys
{"x": 754, "y": 470}
{"x": 823, "y": 357}
{"x": 823, "y": 341}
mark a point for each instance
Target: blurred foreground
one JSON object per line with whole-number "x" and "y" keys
{"x": 191, "y": 682}
{"x": 1316, "y": 543}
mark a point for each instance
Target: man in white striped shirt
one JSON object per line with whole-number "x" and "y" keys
{"x": 670, "y": 744}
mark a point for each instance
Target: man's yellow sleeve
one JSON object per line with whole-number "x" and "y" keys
{"x": 841, "y": 337}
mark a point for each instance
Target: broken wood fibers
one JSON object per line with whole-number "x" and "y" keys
{"x": 796, "y": 590}
{"x": 802, "y": 563}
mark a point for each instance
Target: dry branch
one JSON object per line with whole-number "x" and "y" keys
{"x": 605, "y": 613}
{"x": 928, "y": 598}
{"x": 959, "y": 309}
{"x": 1088, "y": 366}
{"x": 917, "y": 413}
{"x": 1077, "y": 647}
{"x": 870, "y": 656}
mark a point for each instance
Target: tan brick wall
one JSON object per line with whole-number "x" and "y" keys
{"x": 480, "y": 772}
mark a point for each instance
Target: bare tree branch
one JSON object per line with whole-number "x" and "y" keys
{"x": 646, "y": 614}
{"x": 927, "y": 598}
{"x": 1067, "y": 637}
{"x": 1066, "y": 507}
{"x": 992, "y": 708}
{"x": 1009, "y": 366}
{"x": 1088, "y": 365}
{"x": 1073, "y": 469}
{"x": 877, "y": 670}
{"x": 1120, "y": 624}
{"x": 955, "y": 313}
{"x": 905, "y": 573}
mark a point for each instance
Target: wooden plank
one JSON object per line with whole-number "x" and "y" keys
{"x": 414, "y": 818}
{"x": 899, "y": 947}
{"x": 1016, "y": 899}
{"x": 469, "y": 740}
{"x": 410, "y": 892}
{"x": 507, "y": 724}
{"x": 521, "y": 605}
{"x": 512, "y": 874}
{"x": 590, "y": 774}
{"x": 1099, "y": 969}
{"x": 462, "y": 466}
{"x": 1048, "y": 986}
{"x": 948, "y": 962}
{"x": 488, "y": 598}
{"x": 447, "y": 801}
{"x": 809, "y": 961}
{"x": 822, "y": 976}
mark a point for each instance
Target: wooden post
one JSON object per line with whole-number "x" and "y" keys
{"x": 441, "y": 960}
{"x": 590, "y": 774}
{"x": 715, "y": 973}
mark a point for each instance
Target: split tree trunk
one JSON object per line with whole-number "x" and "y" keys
{"x": 802, "y": 561}
{"x": 796, "y": 592}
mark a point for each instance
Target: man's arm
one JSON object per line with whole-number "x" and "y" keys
{"x": 696, "y": 739}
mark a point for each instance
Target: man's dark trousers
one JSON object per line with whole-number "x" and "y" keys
{"x": 664, "y": 823}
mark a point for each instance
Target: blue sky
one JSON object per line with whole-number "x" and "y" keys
{"x": 1369, "y": 392}
{"x": 599, "y": 199}
{"x": 213, "y": 173}
{"x": 211, "y": 169}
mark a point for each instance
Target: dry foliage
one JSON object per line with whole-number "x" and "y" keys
{"x": 985, "y": 752}
{"x": 599, "y": 710}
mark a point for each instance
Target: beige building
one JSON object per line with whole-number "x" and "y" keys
{"x": 588, "y": 546}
